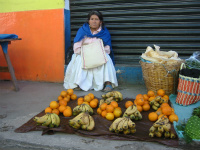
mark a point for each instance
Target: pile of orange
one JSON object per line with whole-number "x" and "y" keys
{"x": 88, "y": 99}
{"x": 151, "y": 95}
{"x": 60, "y": 106}
{"x": 110, "y": 111}
{"x": 141, "y": 102}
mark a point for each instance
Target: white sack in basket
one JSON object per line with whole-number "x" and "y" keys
{"x": 158, "y": 56}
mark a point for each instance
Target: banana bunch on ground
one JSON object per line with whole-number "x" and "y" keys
{"x": 123, "y": 124}
{"x": 133, "y": 113}
{"x": 162, "y": 127}
{"x": 112, "y": 96}
{"x": 49, "y": 119}
{"x": 82, "y": 108}
{"x": 156, "y": 102}
{"x": 83, "y": 121}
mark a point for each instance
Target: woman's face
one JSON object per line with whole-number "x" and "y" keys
{"x": 94, "y": 22}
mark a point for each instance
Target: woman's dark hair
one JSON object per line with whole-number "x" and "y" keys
{"x": 99, "y": 14}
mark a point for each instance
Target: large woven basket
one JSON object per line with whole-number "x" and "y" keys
{"x": 161, "y": 76}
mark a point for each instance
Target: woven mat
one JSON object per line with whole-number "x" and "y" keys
{"x": 101, "y": 130}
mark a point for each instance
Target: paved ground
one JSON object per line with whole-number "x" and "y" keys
{"x": 16, "y": 108}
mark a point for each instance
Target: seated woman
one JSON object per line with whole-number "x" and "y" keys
{"x": 99, "y": 78}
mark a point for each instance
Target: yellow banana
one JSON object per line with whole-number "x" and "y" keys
{"x": 167, "y": 127}
{"x": 151, "y": 134}
{"x": 101, "y": 102}
{"x": 109, "y": 94}
{"x": 127, "y": 131}
{"x": 131, "y": 109}
{"x": 116, "y": 122}
{"x": 53, "y": 120}
{"x": 172, "y": 135}
{"x": 57, "y": 120}
{"x": 42, "y": 119}
{"x": 103, "y": 96}
{"x": 160, "y": 129}
{"x": 91, "y": 124}
{"x": 132, "y": 117}
{"x": 115, "y": 95}
{"x": 154, "y": 107}
{"x": 120, "y": 125}
{"x": 157, "y": 133}
{"x": 131, "y": 124}
{"x": 84, "y": 119}
{"x": 156, "y": 104}
{"x": 152, "y": 129}
{"x": 111, "y": 128}
{"x": 167, "y": 134}
{"x": 89, "y": 109}
{"x": 109, "y": 100}
{"x": 157, "y": 98}
{"x": 125, "y": 124}
{"x": 133, "y": 130}
{"x": 120, "y": 95}
{"x": 48, "y": 121}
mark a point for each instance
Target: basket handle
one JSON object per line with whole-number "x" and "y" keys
{"x": 182, "y": 66}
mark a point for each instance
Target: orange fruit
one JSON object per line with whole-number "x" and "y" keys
{"x": 63, "y": 93}
{"x": 140, "y": 101}
{"x": 87, "y": 98}
{"x": 95, "y": 99}
{"x": 164, "y": 105}
{"x": 117, "y": 112}
{"x": 99, "y": 111}
{"x": 146, "y": 107}
{"x": 146, "y": 102}
{"x": 63, "y": 102}
{"x": 110, "y": 116}
{"x": 110, "y": 108}
{"x": 70, "y": 91}
{"x": 151, "y": 98}
{"x": 60, "y": 97}
{"x": 139, "y": 108}
{"x": 159, "y": 111}
{"x": 161, "y": 92}
{"x": 103, "y": 113}
{"x": 61, "y": 108}
{"x": 167, "y": 110}
{"x": 86, "y": 103}
{"x": 93, "y": 103}
{"x": 150, "y": 93}
{"x": 128, "y": 103}
{"x": 162, "y": 115}
{"x": 146, "y": 97}
{"x": 153, "y": 116}
{"x": 139, "y": 96}
{"x": 67, "y": 98}
{"x": 173, "y": 117}
{"x": 73, "y": 97}
{"x": 55, "y": 111}
{"x": 91, "y": 96}
{"x": 80, "y": 100}
{"x": 166, "y": 96}
{"x": 114, "y": 104}
{"x": 48, "y": 110}
{"x": 103, "y": 106}
{"x": 54, "y": 104}
{"x": 135, "y": 101}
{"x": 165, "y": 99}
{"x": 67, "y": 112}
{"x": 118, "y": 108}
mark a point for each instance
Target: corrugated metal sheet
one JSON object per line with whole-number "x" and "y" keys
{"x": 134, "y": 25}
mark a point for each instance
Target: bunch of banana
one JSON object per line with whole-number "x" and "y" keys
{"x": 83, "y": 121}
{"x": 133, "y": 113}
{"x": 162, "y": 127}
{"x": 82, "y": 108}
{"x": 112, "y": 96}
{"x": 123, "y": 124}
{"x": 49, "y": 119}
{"x": 156, "y": 102}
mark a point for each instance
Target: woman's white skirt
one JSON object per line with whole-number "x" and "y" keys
{"x": 88, "y": 79}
